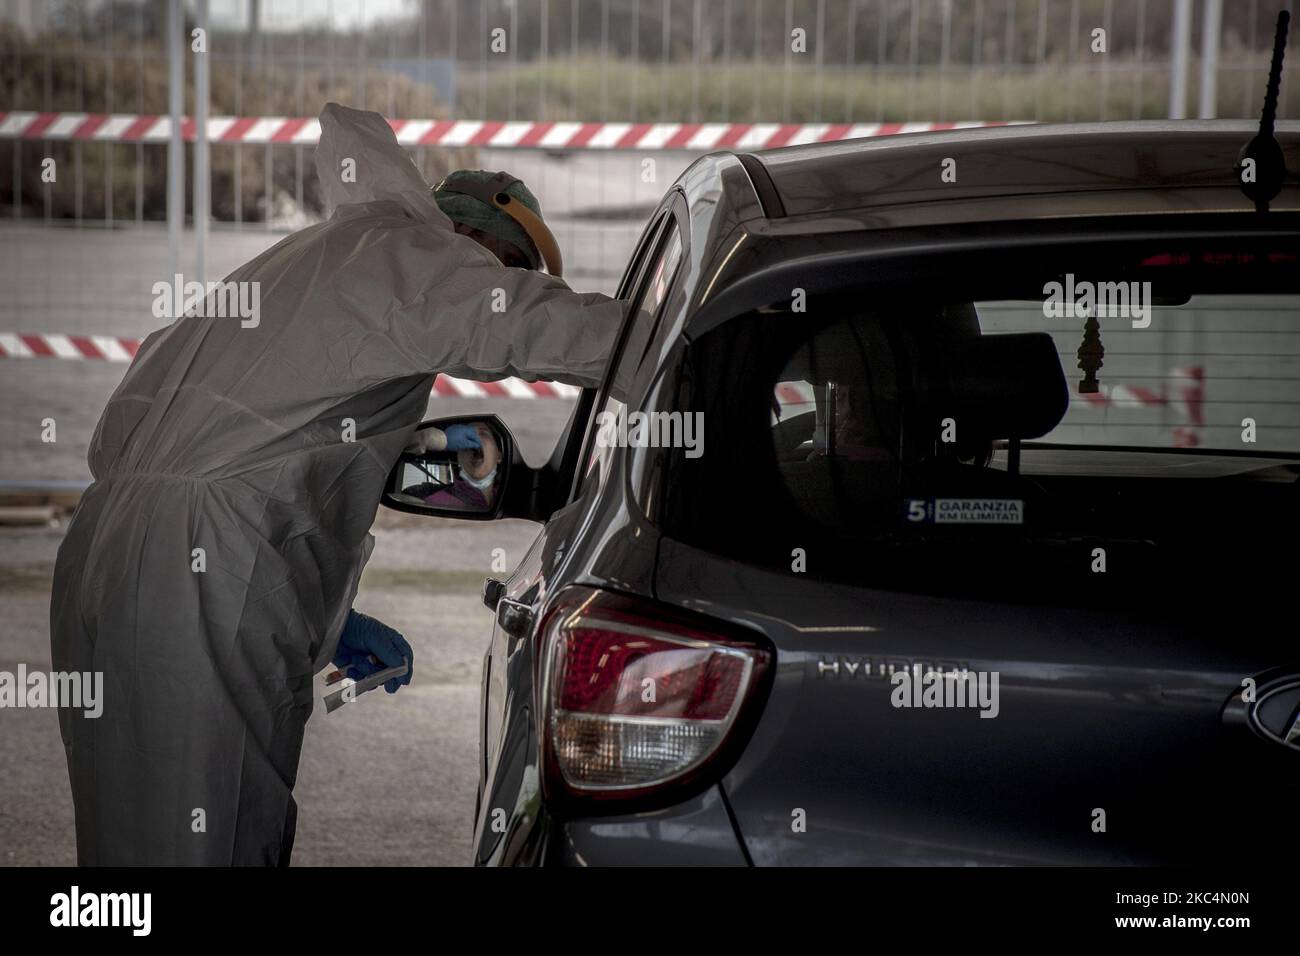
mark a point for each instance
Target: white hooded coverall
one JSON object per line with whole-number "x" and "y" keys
{"x": 230, "y": 439}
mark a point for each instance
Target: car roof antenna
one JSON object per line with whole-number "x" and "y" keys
{"x": 1261, "y": 167}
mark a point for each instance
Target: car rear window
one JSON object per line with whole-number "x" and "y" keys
{"x": 904, "y": 437}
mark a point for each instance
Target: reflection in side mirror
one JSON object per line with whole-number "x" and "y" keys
{"x": 454, "y": 467}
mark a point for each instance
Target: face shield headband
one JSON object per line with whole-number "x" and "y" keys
{"x": 493, "y": 192}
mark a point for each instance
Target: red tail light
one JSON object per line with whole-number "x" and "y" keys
{"x": 637, "y": 696}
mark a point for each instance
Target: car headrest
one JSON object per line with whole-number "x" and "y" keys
{"x": 1005, "y": 386}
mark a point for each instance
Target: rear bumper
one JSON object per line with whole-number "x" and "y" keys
{"x": 697, "y": 832}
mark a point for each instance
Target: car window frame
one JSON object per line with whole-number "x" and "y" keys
{"x": 652, "y": 247}
{"x": 657, "y": 323}
{"x": 567, "y": 455}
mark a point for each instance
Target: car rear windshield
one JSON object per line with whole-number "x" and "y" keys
{"x": 1080, "y": 415}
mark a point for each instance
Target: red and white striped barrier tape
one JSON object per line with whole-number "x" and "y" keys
{"x": 110, "y": 348}
{"x": 1188, "y": 400}
{"x": 493, "y": 134}
{"x": 1190, "y": 394}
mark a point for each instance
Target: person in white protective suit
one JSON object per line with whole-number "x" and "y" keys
{"x": 210, "y": 569}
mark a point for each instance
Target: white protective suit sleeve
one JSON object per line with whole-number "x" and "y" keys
{"x": 457, "y": 309}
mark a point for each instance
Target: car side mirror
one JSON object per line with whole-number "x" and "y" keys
{"x": 483, "y": 483}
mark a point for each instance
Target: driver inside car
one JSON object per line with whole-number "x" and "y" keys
{"x": 856, "y": 436}
{"x": 478, "y": 457}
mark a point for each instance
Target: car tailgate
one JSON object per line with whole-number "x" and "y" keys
{"x": 1094, "y": 712}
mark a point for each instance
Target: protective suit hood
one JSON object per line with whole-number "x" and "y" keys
{"x": 380, "y": 166}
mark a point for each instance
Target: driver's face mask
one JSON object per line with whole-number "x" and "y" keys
{"x": 482, "y": 484}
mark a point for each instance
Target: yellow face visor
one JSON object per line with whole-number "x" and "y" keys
{"x": 493, "y": 192}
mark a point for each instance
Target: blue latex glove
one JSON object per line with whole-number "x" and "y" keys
{"x": 363, "y": 636}
{"x": 461, "y": 436}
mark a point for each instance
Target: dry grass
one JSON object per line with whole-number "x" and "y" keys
{"x": 94, "y": 177}
{"x": 747, "y": 92}
{"x": 130, "y": 180}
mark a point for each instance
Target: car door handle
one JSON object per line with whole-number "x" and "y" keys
{"x": 516, "y": 619}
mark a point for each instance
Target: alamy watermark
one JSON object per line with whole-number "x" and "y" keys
{"x": 54, "y": 689}
{"x": 651, "y": 430}
{"x": 75, "y": 908}
{"x": 1084, "y": 299}
{"x": 217, "y": 300}
{"x": 936, "y": 688}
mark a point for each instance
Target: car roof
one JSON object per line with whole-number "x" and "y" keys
{"x": 1134, "y": 158}
{"x": 759, "y": 219}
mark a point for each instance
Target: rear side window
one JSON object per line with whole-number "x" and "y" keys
{"x": 956, "y": 444}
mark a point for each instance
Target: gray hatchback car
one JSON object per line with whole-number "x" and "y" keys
{"x": 940, "y": 508}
